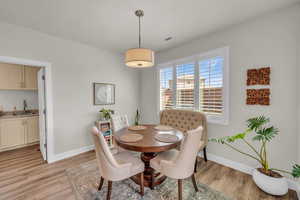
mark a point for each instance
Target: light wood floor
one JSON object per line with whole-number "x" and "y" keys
{"x": 23, "y": 175}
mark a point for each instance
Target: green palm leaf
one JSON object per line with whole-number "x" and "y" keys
{"x": 266, "y": 134}
{"x": 257, "y": 122}
{"x": 296, "y": 171}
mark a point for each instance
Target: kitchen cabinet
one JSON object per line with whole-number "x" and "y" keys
{"x": 12, "y": 132}
{"x": 18, "y": 77}
{"x": 18, "y": 132}
{"x": 32, "y": 129}
{"x": 11, "y": 76}
{"x": 30, "y": 76}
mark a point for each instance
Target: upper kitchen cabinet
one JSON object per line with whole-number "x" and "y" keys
{"x": 18, "y": 77}
{"x": 30, "y": 76}
{"x": 11, "y": 76}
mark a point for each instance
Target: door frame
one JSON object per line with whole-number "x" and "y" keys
{"x": 49, "y": 98}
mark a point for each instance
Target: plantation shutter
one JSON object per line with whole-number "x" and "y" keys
{"x": 185, "y": 84}
{"x": 211, "y": 86}
{"x": 166, "y": 88}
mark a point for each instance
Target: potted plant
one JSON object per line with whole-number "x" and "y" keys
{"x": 266, "y": 178}
{"x": 106, "y": 113}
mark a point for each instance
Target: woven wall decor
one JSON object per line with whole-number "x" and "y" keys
{"x": 258, "y": 76}
{"x": 258, "y": 96}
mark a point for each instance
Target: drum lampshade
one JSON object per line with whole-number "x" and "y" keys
{"x": 139, "y": 58}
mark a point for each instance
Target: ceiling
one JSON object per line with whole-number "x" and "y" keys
{"x": 112, "y": 24}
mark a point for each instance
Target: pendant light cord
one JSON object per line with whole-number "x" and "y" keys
{"x": 139, "y": 14}
{"x": 139, "y": 31}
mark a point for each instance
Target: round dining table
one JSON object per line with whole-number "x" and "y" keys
{"x": 149, "y": 148}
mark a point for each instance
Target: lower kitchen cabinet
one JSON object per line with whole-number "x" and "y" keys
{"x": 18, "y": 132}
{"x": 32, "y": 130}
{"x": 12, "y": 133}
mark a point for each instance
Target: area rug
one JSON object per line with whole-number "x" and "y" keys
{"x": 85, "y": 180}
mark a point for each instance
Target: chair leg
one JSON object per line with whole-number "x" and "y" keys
{"x": 109, "y": 190}
{"x": 142, "y": 183}
{"x": 196, "y": 164}
{"x": 204, "y": 153}
{"x": 179, "y": 189}
{"x": 101, "y": 183}
{"x": 194, "y": 183}
{"x": 152, "y": 180}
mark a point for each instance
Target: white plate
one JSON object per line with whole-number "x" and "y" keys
{"x": 163, "y": 128}
{"x": 167, "y": 138}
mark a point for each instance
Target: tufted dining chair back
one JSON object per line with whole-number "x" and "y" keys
{"x": 185, "y": 120}
{"x": 115, "y": 167}
{"x": 182, "y": 166}
{"x": 109, "y": 167}
{"x": 119, "y": 122}
{"x": 106, "y": 162}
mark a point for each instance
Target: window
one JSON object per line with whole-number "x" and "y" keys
{"x": 166, "y": 91}
{"x": 185, "y": 86}
{"x": 211, "y": 86}
{"x": 197, "y": 83}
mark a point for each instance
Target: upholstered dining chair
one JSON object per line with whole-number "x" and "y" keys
{"x": 185, "y": 120}
{"x": 119, "y": 122}
{"x": 115, "y": 167}
{"x": 179, "y": 164}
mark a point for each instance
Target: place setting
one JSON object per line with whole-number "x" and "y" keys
{"x": 163, "y": 128}
{"x": 133, "y": 137}
{"x": 167, "y": 134}
{"x": 166, "y": 137}
{"x": 137, "y": 128}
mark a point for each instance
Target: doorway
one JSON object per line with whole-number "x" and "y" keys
{"x": 44, "y": 97}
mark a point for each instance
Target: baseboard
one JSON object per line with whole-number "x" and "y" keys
{"x": 71, "y": 153}
{"x": 293, "y": 185}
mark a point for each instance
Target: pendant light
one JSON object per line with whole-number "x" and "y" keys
{"x": 139, "y": 57}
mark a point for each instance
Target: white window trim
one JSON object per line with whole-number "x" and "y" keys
{"x": 224, "y": 52}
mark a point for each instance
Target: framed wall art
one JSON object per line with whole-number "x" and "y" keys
{"x": 258, "y": 76}
{"x": 258, "y": 97}
{"x": 104, "y": 93}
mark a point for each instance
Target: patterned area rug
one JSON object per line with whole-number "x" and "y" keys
{"x": 85, "y": 179}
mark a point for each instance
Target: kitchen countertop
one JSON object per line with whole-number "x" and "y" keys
{"x": 19, "y": 114}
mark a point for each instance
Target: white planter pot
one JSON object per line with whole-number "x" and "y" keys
{"x": 270, "y": 185}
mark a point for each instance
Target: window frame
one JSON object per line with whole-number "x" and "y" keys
{"x": 222, "y": 119}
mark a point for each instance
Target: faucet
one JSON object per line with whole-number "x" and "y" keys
{"x": 25, "y": 106}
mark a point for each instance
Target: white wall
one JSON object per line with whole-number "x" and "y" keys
{"x": 74, "y": 68}
{"x": 298, "y": 60}
{"x": 268, "y": 40}
{"x": 10, "y": 99}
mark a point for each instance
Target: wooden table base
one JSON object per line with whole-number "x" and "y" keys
{"x": 146, "y": 157}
